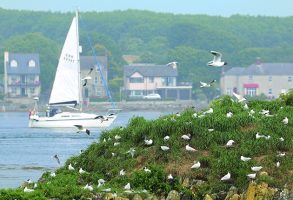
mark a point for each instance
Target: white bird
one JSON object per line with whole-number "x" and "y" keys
{"x": 245, "y": 106}
{"x": 245, "y": 158}
{"x": 172, "y": 64}
{"x": 281, "y": 139}
{"x": 170, "y": 177}
{"x": 189, "y": 148}
{"x": 167, "y": 137}
{"x": 256, "y": 168}
{"x": 122, "y": 172}
{"x": 117, "y": 137}
{"x": 267, "y": 137}
{"x": 147, "y": 170}
{"x": 81, "y": 171}
{"x": 53, "y": 174}
{"x": 226, "y": 177}
{"x": 70, "y": 167}
{"x": 104, "y": 140}
{"x": 186, "y": 137}
{"x": 35, "y": 185}
{"x": 216, "y": 62}
{"x": 278, "y": 164}
{"x": 131, "y": 152}
{"x": 281, "y": 154}
{"x": 88, "y": 187}
{"x": 57, "y": 158}
{"x": 285, "y": 120}
{"x": 116, "y": 144}
{"x": 239, "y": 98}
{"x": 257, "y": 136}
{"x": 194, "y": 115}
{"x": 148, "y": 142}
{"x": 127, "y": 186}
{"x": 211, "y": 129}
{"x": 251, "y": 112}
{"x": 106, "y": 190}
{"x": 252, "y": 176}
{"x": 28, "y": 190}
{"x": 113, "y": 154}
{"x": 209, "y": 111}
{"x": 264, "y": 112}
{"x": 229, "y": 114}
{"x": 29, "y": 181}
{"x": 206, "y": 85}
{"x": 101, "y": 182}
{"x": 165, "y": 148}
{"x": 196, "y": 165}
{"x": 230, "y": 143}
{"x": 81, "y": 129}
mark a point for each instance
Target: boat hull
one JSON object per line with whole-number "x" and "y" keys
{"x": 90, "y": 121}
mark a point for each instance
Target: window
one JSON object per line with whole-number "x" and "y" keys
{"x": 171, "y": 81}
{"x": 32, "y": 90}
{"x": 229, "y": 91}
{"x": 136, "y": 80}
{"x": 31, "y": 63}
{"x": 250, "y": 77}
{"x": 136, "y": 93}
{"x": 31, "y": 79}
{"x": 270, "y": 91}
{"x": 289, "y": 78}
{"x": 270, "y": 79}
{"x": 164, "y": 81}
{"x": 13, "y": 63}
{"x": 251, "y": 92}
{"x": 151, "y": 79}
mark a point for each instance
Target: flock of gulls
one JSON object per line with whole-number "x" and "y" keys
{"x": 216, "y": 62}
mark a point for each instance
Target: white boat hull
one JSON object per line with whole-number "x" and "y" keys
{"x": 68, "y": 120}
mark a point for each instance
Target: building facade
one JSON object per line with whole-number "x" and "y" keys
{"x": 94, "y": 87}
{"x": 21, "y": 75}
{"x": 270, "y": 79}
{"x": 144, "y": 79}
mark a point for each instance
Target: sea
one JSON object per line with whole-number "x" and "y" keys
{"x": 26, "y": 153}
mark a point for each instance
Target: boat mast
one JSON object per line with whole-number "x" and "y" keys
{"x": 78, "y": 62}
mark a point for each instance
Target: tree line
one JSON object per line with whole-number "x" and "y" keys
{"x": 154, "y": 37}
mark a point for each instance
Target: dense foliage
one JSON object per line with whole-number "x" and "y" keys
{"x": 154, "y": 37}
{"x": 104, "y": 160}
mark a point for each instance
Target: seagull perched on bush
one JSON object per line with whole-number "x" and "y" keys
{"x": 281, "y": 154}
{"x": 131, "y": 152}
{"x": 252, "y": 176}
{"x": 189, "y": 148}
{"x": 117, "y": 137}
{"x": 81, "y": 129}
{"x": 239, "y": 98}
{"x": 127, "y": 186}
{"x": 170, "y": 177}
{"x": 101, "y": 182}
{"x": 257, "y": 136}
{"x": 230, "y": 143}
{"x": 53, "y": 174}
{"x": 229, "y": 114}
{"x": 226, "y": 177}
{"x": 217, "y": 61}
{"x": 81, "y": 171}
{"x": 70, "y": 167}
{"x": 186, "y": 137}
{"x": 209, "y": 111}
{"x": 148, "y": 142}
{"x": 28, "y": 190}
{"x": 281, "y": 139}
{"x": 196, "y": 165}
{"x": 285, "y": 120}
{"x": 167, "y": 137}
{"x": 165, "y": 148}
{"x": 88, "y": 187}
{"x": 244, "y": 158}
{"x": 278, "y": 164}
{"x": 206, "y": 85}
{"x": 256, "y": 168}
{"x": 147, "y": 170}
{"x": 122, "y": 172}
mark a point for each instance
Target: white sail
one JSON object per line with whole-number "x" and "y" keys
{"x": 66, "y": 87}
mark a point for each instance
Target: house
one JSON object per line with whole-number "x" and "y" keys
{"x": 144, "y": 79}
{"x": 94, "y": 87}
{"x": 21, "y": 76}
{"x": 270, "y": 79}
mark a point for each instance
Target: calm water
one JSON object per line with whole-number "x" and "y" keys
{"x": 27, "y": 152}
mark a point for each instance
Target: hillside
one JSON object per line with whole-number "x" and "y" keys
{"x": 153, "y": 37}
{"x": 209, "y": 132}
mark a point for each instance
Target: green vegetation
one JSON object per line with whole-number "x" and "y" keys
{"x": 154, "y": 37}
{"x": 216, "y": 159}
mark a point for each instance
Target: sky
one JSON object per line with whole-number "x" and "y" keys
{"x": 225, "y": 8}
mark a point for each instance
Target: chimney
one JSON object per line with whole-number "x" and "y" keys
{"x": 258, "y": 61}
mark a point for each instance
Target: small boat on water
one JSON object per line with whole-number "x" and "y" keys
{"x": 66, "y": 91}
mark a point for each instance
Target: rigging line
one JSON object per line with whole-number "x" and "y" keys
{"x": 99, "y": 68}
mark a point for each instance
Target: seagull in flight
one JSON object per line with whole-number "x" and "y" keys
{"x": 57, "y": 158}
{"x": 87, "y": 77}
{"x": 173, "y": 64}
{"x": 239, "y": 98}
{"x": 81, "y": 129}
{"x": 206, "y": 85}
{"x": 216, "y": 62}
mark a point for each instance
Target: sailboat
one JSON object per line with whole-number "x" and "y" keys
{"x": 67, "y": 90}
